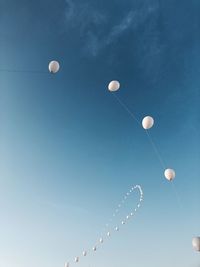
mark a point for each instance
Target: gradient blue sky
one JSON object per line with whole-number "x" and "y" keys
{"x": 69, "y": 151}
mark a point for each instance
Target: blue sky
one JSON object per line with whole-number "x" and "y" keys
{"x": 69, "y": 151}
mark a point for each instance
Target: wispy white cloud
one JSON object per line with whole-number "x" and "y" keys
{"x": 124, "y": 25}
{"x": 95, "y": 28}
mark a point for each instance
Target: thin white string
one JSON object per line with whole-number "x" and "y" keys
{"x": 177, "y": 195}
{"x": 25, "y": 71}
{"x": 155, "y": 149}
{"x": 125, "y": 107}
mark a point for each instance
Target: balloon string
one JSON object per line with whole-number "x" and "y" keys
{"x": 177, "y": 195}
{"x": 146, "y": 131}
{"x": 155, "y": 149}
{"x": 24, "y": 71}
{"x": 125, "y": 107}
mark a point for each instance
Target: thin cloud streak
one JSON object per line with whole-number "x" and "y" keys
{"x": 93, "y": 25}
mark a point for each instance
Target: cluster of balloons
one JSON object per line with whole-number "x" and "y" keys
{"x": 109, "y": 228}
{"x": 147, "y": 123}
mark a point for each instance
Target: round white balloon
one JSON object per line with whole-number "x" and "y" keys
{"x": 169, "y": 174}
{"x": 77, "y": 259}
{"x": 101, "y": 240}
{"x": 196, "y": 243}
{"x": 84, "y": 253}
{"x": 147, "y": 122}
{"x": 54, "y": 66}
{"x": 113, "y": 86}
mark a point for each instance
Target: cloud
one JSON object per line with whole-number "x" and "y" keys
{"x": 118, "y": 30}
{"x": 99, "y": 29}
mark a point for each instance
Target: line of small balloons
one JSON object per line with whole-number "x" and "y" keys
{"x": 114, "y": 228}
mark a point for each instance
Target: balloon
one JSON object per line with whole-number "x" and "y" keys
{"x": 113, "y": 86}
{"x": 169, "y": 174}
{"x": 196, "y": 243}
{"x": 147, "y": 122}
{"x": 76, "y": 259}
{"x": 84, "y": 253}
{"x": 114, "y": 228}
{"x": 101, "y": 240}
{"x": 54, "y": 66}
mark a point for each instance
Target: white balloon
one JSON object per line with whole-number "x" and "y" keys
{"x": 94, "y": 248}
{"x": 123, "y": 222}
{"x": 84, "y": 253}
{"x": 196, "y": 243}
{"x": 54, "y": 66}
{"x": 147, "y": 122}
{"x": 113, "y": 86}
{"x": 101, "y": 240}
{"x": 108, "y": 234}
{"x": 116, "y": 228}
{"x": 67, "y": 264}
{"x": 76, "y": 259}
{"x": 169, "y": 174}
